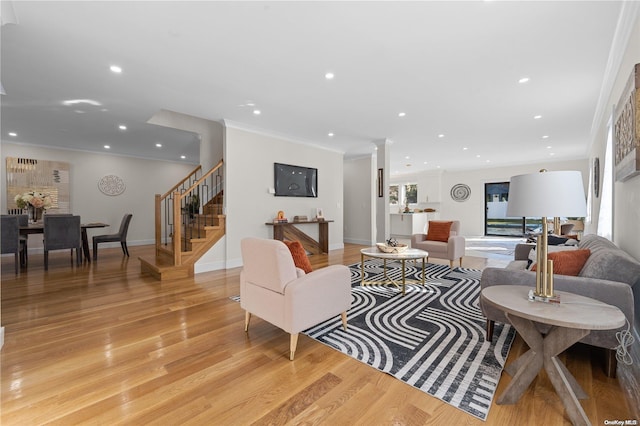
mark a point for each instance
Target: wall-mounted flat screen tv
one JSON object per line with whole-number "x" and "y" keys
{"x": 295, "y": 181}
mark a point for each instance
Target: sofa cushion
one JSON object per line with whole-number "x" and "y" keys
{"x": 550, "y": 249}
{"x": 439, "y": 230}
{"x": 568, "y": 262}
{"x": 299, "y": 255}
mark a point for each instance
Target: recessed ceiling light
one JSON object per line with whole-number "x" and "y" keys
{"x": 329, "y": 76}
{"x": 158, "y": 145}
{"x": 402, "y": 114}
{"x": 552, "y": 153}
{"x": 13, "y": 134}
{"x": 407, "y": 157}
{"x": 183, "y": 156}
{"x": 116, "y": 69}
{"x": 545, "y": 137}
{"x": 548, "y": 146}
{"x": 537, "y": 117}
{"x": 441, "y": 135}
{"x": 122, "y": 127}
{"x": 70, "y": 102}
{"x": 478, "y": 156}
{"x": 330, "y": 135}
{"x": 524, "y": 80}
{"x": 465, "y": 148}
{"x": 107, "y": 147}
{"x": 424, "y": 162}
{"x": 257, "y": 112}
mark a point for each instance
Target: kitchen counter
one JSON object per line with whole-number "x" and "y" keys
{"x": 407, "y": 224}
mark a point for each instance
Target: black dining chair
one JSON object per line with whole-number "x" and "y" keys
{"x": 23, "y": 220}
{"x": 120, "y": 236}
{"x": 62, "y": 232}
{"x": 10, "y": 239}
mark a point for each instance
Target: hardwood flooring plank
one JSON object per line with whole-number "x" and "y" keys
{"x": 103, "y": 344}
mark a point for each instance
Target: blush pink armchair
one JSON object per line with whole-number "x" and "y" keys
{"x": 451, "y": 250}
{"x": 272, "y": 288}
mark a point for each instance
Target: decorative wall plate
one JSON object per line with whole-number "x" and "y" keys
{"x": 111, "y": 185}
{"x": 460, "y": 192}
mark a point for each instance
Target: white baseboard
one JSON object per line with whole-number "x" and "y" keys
{"x": 359, "y": 242}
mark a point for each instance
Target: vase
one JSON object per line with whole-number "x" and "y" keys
{"x": 35, "y": 214}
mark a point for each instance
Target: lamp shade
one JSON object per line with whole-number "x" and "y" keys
{"x": 547, "y": 194}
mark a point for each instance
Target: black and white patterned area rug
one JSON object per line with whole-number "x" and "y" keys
{"x": 432, "y": 338}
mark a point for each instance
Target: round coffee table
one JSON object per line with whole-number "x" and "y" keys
{"x": 408, "y": 254}
{"x": 570, "y": 320}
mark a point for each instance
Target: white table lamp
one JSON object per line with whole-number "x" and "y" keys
{"x": 546, "y": 194}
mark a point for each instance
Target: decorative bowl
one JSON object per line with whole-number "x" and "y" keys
{"x": 391, "y": 249}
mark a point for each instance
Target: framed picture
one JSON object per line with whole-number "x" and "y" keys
{"x": 626, "y": 129}
{"x": 380, "y": 183}
{"x": 319, "y": 214}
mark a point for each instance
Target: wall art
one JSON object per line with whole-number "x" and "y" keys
{"x": 111, "y": 185}
{"x": 626, "y": 129}
{"x": 460, "y": 192}
{"x": 48, "y": 177}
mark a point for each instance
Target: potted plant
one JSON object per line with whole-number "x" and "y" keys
{"x": 192, "y": 206}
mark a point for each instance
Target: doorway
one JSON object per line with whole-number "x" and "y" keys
{"x": 496, "y": 222}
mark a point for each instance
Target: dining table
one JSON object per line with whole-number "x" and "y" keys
{"x": 38, "y": 228}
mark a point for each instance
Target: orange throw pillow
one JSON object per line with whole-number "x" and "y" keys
{"x": 299, "y": 255}
{"x": 568, "y": 262}
{"x": 439, "y": 230}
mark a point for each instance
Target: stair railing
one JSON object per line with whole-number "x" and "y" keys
{"x": 188, "y": 208}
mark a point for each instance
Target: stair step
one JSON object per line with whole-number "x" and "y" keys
{"x": 162, "y": 269}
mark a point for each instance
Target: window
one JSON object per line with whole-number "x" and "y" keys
{"x": 393, "y": 195}
{"x": 411, "y": 193}
{"x": 605, "y": 222}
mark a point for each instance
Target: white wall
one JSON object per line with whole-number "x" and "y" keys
{"x": 360, "y": 192}
{"x": 249, "y": 158}
{"x": 143, "y": 179}
{"x": 626, "y": 214}
{"x": 210, "y": 132}
{"x": 470, "y": 213}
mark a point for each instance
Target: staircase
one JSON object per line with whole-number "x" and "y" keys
{"x": 189, "y": 220}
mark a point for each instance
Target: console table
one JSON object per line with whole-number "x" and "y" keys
{"x": 290, "y": 231}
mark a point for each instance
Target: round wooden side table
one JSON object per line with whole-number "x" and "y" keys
{"x": 570, "y": 320}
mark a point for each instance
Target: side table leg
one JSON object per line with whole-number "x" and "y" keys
{"x": 558, "y": 339}
{"x": 361, "y": 269}
{"x": 528, "y": 365}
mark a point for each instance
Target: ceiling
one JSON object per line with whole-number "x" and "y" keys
{"x": 453, "y": 68}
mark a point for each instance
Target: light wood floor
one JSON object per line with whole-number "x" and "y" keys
{"x": 101, "y": 344}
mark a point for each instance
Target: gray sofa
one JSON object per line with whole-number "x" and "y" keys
{"x": 609, "y": 275}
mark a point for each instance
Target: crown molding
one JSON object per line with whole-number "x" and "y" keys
{"x": 629, "y": 15}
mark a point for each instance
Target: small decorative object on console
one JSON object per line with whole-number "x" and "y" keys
{"x": 280, "y": 218}
{"x": 300, "y": 218}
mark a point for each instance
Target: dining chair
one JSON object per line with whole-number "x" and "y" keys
{"x": 23, "y": 220}
{"x": 10, "y": 243}
{"x": 120, "y": 236}
{"x": 62, "y": 232}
